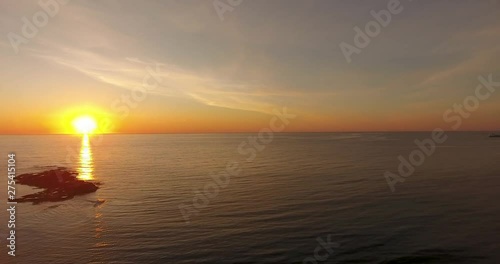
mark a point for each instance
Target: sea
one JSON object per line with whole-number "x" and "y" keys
{"x": 273, "y": 198}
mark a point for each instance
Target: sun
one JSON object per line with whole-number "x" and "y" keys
{"x": 85, "y": 124}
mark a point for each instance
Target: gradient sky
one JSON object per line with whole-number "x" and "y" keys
{"x": 221, "y": 76}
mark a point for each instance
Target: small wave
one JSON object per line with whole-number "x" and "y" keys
{"x": 97, "y": 203}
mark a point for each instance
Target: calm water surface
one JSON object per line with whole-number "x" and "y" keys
{"x": 300, "y": 187}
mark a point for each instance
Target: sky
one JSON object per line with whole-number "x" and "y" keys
{"x": 213, "y": 67}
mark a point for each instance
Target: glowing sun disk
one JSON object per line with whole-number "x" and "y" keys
{"x": 84, "y": 124}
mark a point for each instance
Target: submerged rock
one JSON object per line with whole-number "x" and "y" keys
{"x": 60, "y": 184}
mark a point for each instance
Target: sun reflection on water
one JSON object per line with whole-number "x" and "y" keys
{"x": 86, "y": 165}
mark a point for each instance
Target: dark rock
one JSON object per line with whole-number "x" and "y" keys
{"x": 60, "y": 184}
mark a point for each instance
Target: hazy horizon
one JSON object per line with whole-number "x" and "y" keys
{"x": 252, "y": 132}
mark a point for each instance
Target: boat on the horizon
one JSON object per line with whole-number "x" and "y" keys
{"x": 492, "y": 135}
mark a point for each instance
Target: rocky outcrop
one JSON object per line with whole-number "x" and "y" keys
{"x": 59, "y": 184}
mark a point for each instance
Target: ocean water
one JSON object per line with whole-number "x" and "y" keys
{"x": 297, "y": 190}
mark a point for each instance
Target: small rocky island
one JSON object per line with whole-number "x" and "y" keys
{"x": 59, "y": 184}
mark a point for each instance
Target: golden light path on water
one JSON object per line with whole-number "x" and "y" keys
{"x": 86, "y": 168}
{"x": 86, "y": 173}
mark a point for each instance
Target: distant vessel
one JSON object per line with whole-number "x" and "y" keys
{"x": 494, "y": 135}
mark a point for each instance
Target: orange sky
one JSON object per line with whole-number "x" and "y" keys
{"x": 175, "y": 67}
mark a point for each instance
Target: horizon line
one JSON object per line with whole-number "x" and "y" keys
{"x": 250, "y": 132}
